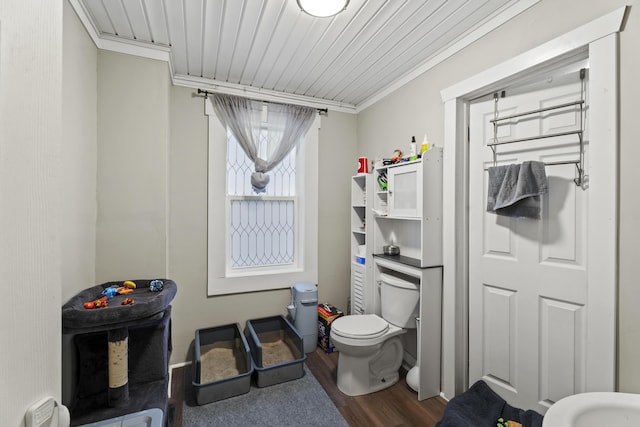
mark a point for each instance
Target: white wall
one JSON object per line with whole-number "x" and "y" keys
{"x": 30, "y": 203}
{"x": 417, "y": 108}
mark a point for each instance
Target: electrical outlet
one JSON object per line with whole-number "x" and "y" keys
{"x": 41, "y": 413}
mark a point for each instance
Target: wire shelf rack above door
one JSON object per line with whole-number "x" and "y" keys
{"x": 579, "y": 180}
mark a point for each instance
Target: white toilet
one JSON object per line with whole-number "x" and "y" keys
{"x": 370, "y": 348}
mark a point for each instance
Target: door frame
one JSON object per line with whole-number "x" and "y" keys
{"x": 597, "y": 41}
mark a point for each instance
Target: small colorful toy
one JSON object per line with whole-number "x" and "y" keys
{"x": 102, "y": 302}
{"x": 510, "y": 423}
{"x": 110, "y": 292}
{"x": 156, "y": 285}
{"x": 127, "y": 301}
{"x": 382, "y": 181}
{"x": 129, "y": 284}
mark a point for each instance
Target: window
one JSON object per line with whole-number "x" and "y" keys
{"x": 266, "y": 241}
{"x": 262, "y": 229}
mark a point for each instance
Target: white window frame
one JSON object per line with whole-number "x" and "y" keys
{"x": 221, "y": 279}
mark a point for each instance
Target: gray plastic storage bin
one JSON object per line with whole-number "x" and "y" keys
{"x": 147, "y": 418}
{"x": 276, "y": 349}
{"x": 222, "y": 365}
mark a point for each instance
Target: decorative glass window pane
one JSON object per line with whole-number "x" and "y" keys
{"x": 261, "y": 230}
{"x": 239, "y": 169}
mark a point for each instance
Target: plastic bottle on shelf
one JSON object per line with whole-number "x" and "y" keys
{"x": 425, "y": 144}
{"x": 413, "y": 155}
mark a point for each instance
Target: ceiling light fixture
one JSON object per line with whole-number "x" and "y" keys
{"x": 323, "y": 8}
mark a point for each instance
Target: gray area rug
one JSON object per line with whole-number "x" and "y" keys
{"x": 301, "y": 402}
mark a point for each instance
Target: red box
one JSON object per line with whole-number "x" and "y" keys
{"x": 326, "y": 314}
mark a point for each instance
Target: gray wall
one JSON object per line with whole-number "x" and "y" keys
{"x": 338, "y": 157}
{"x": 80, "y": 151}
{"x": 80, "y": 155}
{"x": 133, "y": 139}
{"x": 417, "y": 108}
{"x": 152, "y": 197}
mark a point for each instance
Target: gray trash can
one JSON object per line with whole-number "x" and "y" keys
{"x": 303, "y": 310}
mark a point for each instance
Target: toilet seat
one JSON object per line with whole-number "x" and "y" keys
{"x": 364, "y": 327}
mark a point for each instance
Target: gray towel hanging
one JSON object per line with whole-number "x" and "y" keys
{"x": 514, "y": 190}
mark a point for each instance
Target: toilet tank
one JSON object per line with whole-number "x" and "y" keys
{"x": 399, "y": 301}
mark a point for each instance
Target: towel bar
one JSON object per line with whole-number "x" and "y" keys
{"x": 579, "y": 180}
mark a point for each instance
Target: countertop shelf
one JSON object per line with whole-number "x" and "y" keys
{"x": 410, "y": 218}
{"x": 401, "y": 259}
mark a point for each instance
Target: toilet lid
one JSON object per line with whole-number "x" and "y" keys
{"x": 364, "y": 326}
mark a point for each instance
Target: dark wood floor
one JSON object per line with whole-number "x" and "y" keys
{"x": 397, "y": 405}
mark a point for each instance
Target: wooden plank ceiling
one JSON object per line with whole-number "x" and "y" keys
{"x": 271, "y": 46}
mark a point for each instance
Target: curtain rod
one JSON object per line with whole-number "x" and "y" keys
{"x": 206, "y": 93}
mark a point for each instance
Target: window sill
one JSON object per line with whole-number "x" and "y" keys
{"x": 261, "y": 271}
{"x": 258, "y": 281}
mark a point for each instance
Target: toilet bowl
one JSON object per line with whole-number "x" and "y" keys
{"x": 371, "y": 350}
{"x": 370, "y": 353}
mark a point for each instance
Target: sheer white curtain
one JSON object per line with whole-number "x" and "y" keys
{"x": 244, "y": 117}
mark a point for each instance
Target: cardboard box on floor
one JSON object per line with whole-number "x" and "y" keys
{"x": 326, "y": 314}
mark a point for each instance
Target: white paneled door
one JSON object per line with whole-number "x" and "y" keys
{"x": 528, "y": 281}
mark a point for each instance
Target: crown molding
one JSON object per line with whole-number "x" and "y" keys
{"x": 257, "y": 93}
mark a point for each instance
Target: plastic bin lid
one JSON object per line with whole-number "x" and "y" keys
{"x": 302, "y": 287}
{"x": 147, "y": 418}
